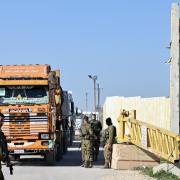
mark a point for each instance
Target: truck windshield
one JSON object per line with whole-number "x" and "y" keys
{"x": 23, "y": 95}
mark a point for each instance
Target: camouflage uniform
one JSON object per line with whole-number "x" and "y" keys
{"x": 109, "y": 140}
{"x": 96, "y": 127}
{"x": 86, "y": 135}
{"x": 1, "y": 173}
{"x": 3, "y": 148}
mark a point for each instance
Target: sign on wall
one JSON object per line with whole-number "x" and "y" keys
{"x": 144, "y": 136}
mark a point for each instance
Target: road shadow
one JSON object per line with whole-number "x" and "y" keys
{"x": 71, "y": 158}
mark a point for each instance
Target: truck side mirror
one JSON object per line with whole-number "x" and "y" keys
{"x": 72, "y": 107}
{"x": 76, "y": 111}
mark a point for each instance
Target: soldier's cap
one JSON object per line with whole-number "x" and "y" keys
{"x": 108, "y": 120}
{"x": 85, "y": 118}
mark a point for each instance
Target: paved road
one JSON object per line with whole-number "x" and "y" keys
{"x": 68, "y": 169}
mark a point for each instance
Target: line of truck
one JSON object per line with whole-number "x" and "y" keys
{"x": 39, "y": 115}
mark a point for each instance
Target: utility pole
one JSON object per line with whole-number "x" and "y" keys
{"x": 99, "y": 108}
{"x": 174, "y": 69}
{"x": 98, "y": 89}
{"x": 86, "y": 101}
{"x": 94, "y": 78}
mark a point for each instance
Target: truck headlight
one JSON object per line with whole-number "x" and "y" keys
{"x": 44, "y": 136}
{"x": 45, "y": 143}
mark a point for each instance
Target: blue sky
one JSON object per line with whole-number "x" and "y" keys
{"x": 122, "y": 42}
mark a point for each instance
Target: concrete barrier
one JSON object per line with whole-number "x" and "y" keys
{"x": 130, "y": 157}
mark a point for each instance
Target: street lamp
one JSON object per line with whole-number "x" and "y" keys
{"x": 94, "y": 78}
{"x": 86, "y": 102}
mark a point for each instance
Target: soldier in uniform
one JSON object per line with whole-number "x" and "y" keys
{"x": 109, "y": 140}
{"x": 86, "y": 135}
{"x": 96, "y": 127}
{"x": 2, "y": 145}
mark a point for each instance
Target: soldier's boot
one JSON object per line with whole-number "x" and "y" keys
{"x": 106, "y": 165}
{"x": 86, "y": 164}
{"x": 83, "y": 164}
{"x": 90, "y": 164}
{"x": 1, "y": 175}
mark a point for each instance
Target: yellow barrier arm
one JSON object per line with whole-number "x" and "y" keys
{"x": 159, "y": 141}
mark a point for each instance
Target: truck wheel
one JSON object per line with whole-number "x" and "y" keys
{"x": 14, "y": 157}
{"x": 59, "y": 153}
{"x": 17, "y": 157}
{"x": 65, "y": 145}
{"x": 51, "y": 157}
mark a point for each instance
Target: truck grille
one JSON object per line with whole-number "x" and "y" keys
{"x": 25, "y": 124}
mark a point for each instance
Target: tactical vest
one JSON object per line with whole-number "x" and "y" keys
{"x": 85, "y": 133}
{"x": 115, "y": 134}
{"x": 106, "y": 134}
{"x": 96, "y": 127}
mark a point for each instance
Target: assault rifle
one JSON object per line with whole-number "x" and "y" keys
{"x": 80, "y": 145}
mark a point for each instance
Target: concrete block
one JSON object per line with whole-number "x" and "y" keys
{"x": 130, "y": 157}
{"x": 168, "y": 167}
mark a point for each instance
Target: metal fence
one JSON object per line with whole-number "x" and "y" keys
{"x": 159, "y": 141}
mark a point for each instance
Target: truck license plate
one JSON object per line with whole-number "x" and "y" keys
{"x": 19, "y": 151}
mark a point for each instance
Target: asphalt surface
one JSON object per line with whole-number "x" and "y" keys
{"x": 67, "y": 169}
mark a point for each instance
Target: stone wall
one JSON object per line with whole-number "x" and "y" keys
{"x": 155, "y": 111}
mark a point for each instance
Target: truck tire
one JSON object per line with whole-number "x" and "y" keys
{"x": 51, "y": 157}
{"x": 14, "y": 157}
{"x": 65, "y": 143}
{"x": 59, "y": 153}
